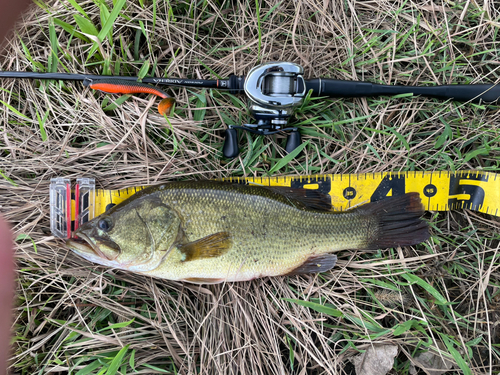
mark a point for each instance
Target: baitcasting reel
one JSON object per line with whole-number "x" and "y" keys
{"x": 274, "y": 91}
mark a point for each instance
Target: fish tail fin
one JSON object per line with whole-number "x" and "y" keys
{"x": 397, "y": 222}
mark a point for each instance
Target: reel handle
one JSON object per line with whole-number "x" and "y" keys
{"x": 230, "y": 149}
{"x": 293, "y": 140}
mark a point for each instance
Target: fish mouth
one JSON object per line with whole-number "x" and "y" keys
{"x": 85, "y": 245}
{"x": 81, "y": 244}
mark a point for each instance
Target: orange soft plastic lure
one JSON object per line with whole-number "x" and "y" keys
{"x": 122, "y": 86}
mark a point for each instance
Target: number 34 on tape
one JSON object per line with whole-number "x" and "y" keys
{"x": 440, "y": 191}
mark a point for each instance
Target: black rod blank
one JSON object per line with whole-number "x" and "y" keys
{"x": 200, "y": 83}
{"x": 335, "y": 88}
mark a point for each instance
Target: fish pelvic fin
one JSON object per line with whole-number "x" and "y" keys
{"x": 207, "y": 247}
{"x": 315, "y": 264}
{"x": 398, "y": 222}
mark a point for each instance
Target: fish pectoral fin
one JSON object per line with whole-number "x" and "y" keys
{"x": 315, "y": 264}
{"x": 307, "y": 197}
{"x": 207, "y": 247}
{"x": 203, "y": 280}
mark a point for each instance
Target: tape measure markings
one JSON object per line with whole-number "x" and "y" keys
{"x": 440, "y": 191}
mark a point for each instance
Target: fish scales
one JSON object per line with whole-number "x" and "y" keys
{"x": 214, "y": 231}
{"x": 270, "y": 237}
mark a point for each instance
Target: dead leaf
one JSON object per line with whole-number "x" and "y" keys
{"x": 431, "y": 362}
{"x": 377, "y": 360}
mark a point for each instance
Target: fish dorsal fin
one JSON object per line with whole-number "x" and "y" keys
{"x": 315, "y": 264}
{"x": 207, "y": 247}
{"x": 307, "y": 197}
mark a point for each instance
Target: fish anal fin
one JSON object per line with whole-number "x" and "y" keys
{"x": 307, "y": 197}
{"x": 203, "y": 280}
{"x": 207, "y": 247}
{"x": 315, "y": 264}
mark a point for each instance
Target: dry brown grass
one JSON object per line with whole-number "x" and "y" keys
{"x": 66, "y": 303}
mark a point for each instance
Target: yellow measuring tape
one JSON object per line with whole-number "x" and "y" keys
{"x": 440, "y": 191}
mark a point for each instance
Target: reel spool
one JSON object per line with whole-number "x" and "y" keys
{"x": 274, "y": 91}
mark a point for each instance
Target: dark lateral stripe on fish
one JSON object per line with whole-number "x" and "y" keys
{"x": 399, "y": 221}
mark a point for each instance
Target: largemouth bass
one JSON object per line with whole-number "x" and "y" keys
{"x": 211, "y": 232}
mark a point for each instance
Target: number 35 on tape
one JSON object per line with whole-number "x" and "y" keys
{"x": 440, "y": 191}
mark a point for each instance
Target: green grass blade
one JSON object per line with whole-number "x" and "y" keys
{"x": 131, "y": 361}
{"x": 446, "y": 135}
{"x": 288, "y": 158}
{"x": 89, "y": 368}
{"x": 7, "y": 178}
{"x": 104, "y": 14}
{"x": 270, "y": 11}
{"x": 316, "y": 307}
{"x": 199, "y": 114}
{"x": 118, "y": 325}
{"x": 154, "y": 16}
{"x": 85, "y": 25}
{"x": 137, "y": 43}
{"x": 292, "y": 354}
{"x": 117, "y": 361}
{"x": 116, "y": 103}
{"x": 15, "y": 110}
{"x": 108, "y": 26}
{"x": 27, "y": 53}
{"x": 78, "y": 8}
{"x": 22, "y": 236}
{"x": 41, "y": 123}
{"x": 456, "y": 355}
{"x": 374, "y": 327}
{"x": 143, "y": 72}
{"x": 404, "y": 327}
{"x": 70, "y": 29}
{"x": 259, "y": 28}
{"x": 481, "y": 151}
{"x": 413, "y": 279}
{"x": 52, "y": 61}
{"x": 161, "y": 371}
{"x": 401, "y": 138}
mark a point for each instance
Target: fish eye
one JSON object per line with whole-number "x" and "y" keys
{"x": 105, "y": 224}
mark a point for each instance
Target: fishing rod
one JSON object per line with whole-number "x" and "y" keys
{"x": 274, "y": 90}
